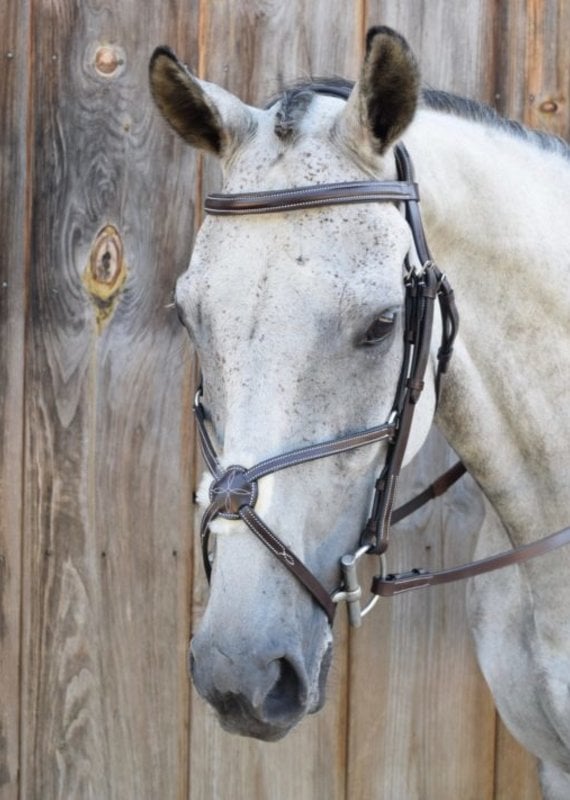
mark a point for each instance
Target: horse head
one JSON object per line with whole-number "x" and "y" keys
{"x": 297, "y": 319}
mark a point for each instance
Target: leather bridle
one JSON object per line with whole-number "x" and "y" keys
{"x": 233, "y": 492}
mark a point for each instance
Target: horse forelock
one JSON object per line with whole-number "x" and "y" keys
{"x": 292, "y": 109}
{"x": 295, "y": 100}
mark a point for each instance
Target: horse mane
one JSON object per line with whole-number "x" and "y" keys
{"x": 465, "y": 108}
{"x": 294, "y": 102}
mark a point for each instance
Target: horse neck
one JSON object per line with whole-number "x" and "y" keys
{"x": 496, "y": 212}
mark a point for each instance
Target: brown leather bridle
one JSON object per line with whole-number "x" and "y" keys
{"x": 233, "y": 493}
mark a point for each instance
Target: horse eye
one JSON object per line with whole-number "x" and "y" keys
{"x": 379, "y": 329}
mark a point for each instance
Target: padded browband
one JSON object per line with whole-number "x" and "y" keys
{"x": 324, "y": 194}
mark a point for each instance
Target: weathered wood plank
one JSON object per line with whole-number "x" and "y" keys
{"x": 533, "y": 63}
{"x": 108, "y": 445}
{"x": 423, "y": 725}
{"x": 515, "y": 770}
{"x": 452, "y": 41}
{"x": 254, "y": 49}
{"x": 14, "y": 225}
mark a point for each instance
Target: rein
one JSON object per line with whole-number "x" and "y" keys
{"x": 233, "y": 492}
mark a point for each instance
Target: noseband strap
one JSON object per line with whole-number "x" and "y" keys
{"x": 234, "y": 492}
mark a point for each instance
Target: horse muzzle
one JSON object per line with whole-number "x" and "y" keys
{"x": 261, "y": 697}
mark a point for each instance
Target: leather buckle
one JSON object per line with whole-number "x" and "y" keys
{"x": 396, "y": 583}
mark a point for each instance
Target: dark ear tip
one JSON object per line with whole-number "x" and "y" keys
{"x": 162, "y": 50}
{"x": 384, "y": 30}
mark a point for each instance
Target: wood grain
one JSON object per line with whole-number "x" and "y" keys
{"x": 533, "y": 65}
{"x": 108, "y": 444}
{"x": 14, "y": 222}
{"x": 453, "y": 42}
{"x": 515, "y": 771}
{"x": 98, "y": 589}
{"x": 290, "y": 40}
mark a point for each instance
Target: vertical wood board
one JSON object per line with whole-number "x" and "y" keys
{"x": 533, "y": 63}
{"x": 14, "y": 227}
{"x": 108, "y": 448}
{"x": 452, "y": 42}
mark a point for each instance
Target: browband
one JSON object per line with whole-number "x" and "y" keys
{"x": 324, "y": 194}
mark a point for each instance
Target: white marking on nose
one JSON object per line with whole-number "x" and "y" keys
{"x": 265, "y": 487}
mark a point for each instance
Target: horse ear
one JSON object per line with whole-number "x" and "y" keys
{"x": 383, "y": 102}
{"x": 204, "y": 115}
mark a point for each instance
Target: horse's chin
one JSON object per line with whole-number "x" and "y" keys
{"x": 280, "y": 711}
{"x": 242, "y": 722}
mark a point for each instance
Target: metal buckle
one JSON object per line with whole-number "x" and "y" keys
{"x": 393, "y": 418}
{"x": 351, "y": 591}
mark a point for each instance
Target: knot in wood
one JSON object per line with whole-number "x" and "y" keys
{"x": 106, "y": 270}
{"x": 108, "y": 59}
{"x": 549, "y": 107}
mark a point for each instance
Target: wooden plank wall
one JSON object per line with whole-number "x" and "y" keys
{"x": 99, "y": 590}
{"x": 14, "y": 232}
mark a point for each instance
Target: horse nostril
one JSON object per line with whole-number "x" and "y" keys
{"x": 288, "y": 694}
